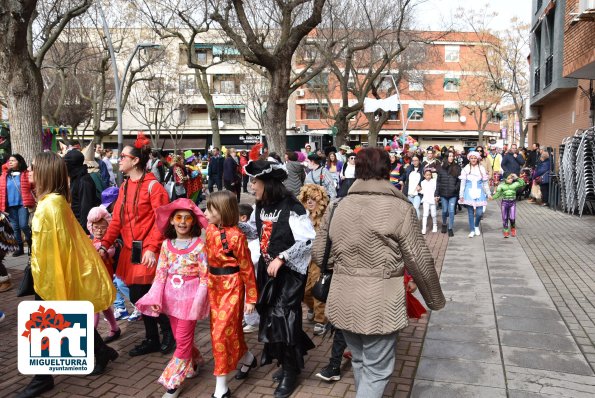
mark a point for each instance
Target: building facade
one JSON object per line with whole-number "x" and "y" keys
{"x": 439, "y": 106}
{"x": 562, "y": 69}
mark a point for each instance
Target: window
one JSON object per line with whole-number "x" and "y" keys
{"x": 393, "y": 115}
{"x": 232, "y": 116}
{"x": 451, "y": 53}
{"x": 451, "y": 115}
{"x": 154, "y": 114}
{"x": 415, "y": 114}
{"x": 187, "y": 84}
{"x": 156, "y": 84}
{"x": 416, "y": 81}
{"x": 495, "y": 117}
{"x": 111, "y": 114}
{"x": 228, "y": 87}
{"x": 451, "y": 84}
{"x": 319, "y": 81}
{"x": 316, "y": 111}
{"x": 201, "y": 56}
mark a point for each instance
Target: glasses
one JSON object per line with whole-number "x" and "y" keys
{"x": 352, "y": 158}
{"x": 99, "y": 227}
{"x": 183, "y": 218}
{"x": 125, "y": 155}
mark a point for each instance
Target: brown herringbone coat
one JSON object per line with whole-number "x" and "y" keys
{"x": 375, "y": 235}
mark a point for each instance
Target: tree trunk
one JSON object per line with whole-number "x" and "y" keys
{"x": 342, "y": 125}
{"x": 275, "y": 118}
{"x": 204, "y": 88}
{"x": 24, "y": 89}
{"x": 480, "y": 137}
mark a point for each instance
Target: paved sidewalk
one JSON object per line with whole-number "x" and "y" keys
{"x": 137, "y": 377}
{"x": 500, "y": 334}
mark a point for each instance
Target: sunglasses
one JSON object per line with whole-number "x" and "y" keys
{"x": 125, "y": 155}
{"x": 352, "y": 158}
{"x": 183, "y": 218}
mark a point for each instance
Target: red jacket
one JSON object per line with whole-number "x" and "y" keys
{"x": 138, "y": 223}
{"x": 26, "y": 195}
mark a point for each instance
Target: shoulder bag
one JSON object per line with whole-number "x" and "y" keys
{"x": 26, "y": 286}
{"x": 321, "y": 287}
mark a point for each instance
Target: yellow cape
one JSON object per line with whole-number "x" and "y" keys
{"x": 64, "y": 263}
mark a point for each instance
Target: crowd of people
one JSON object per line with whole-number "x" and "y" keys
{"x": 250, "y": 268}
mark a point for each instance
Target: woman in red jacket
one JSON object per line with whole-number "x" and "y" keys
{"x": 16, "y": 199}
{"x": 134, "y": 219}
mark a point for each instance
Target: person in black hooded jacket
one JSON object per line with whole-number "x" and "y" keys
{"x": 447, "y": 187}
{"x": 82, "y": 187}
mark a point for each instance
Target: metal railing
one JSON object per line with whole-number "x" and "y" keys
{"x": 536, "y": 81}
{"x": 549, "y": 70}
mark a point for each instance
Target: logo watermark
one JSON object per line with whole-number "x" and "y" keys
{"x": 56, "y": 337}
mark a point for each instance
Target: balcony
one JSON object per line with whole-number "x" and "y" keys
{"x": 549, "y": 70}
{"x": 536, "y": 81}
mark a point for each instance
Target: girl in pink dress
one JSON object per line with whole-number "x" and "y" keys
{"x": 180, "y": 287}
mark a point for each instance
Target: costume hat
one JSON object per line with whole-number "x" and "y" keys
{"x": 163, "y": 213}
{"x": 264, "y": 169}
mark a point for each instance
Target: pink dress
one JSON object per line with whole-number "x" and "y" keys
{"x": 180, "y": 284}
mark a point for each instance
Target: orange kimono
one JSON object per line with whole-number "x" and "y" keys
{"x": 227, "y": 288}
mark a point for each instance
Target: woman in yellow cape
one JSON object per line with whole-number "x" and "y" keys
{"x": 64, "y": 263}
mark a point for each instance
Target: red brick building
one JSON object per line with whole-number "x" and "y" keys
{"x": 563, "y": 69}
{"x": 436, "y": 107}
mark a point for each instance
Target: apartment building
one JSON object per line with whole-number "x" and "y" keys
{"x": 439, "y": 105}
{"x": 562, "y": 69}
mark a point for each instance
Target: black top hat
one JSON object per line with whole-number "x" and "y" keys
{"x": 265, "y": 169}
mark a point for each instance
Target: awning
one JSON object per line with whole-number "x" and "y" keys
{"x": 225, "y": 50}
{"x": 316, "y": 106}
{"x": 229, "y": 106}
{"x": 203, "y": 45}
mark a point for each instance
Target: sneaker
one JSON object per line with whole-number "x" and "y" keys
{"x": 320, "y": 328}
{"x": 444, "y": 226}
{"x": 471, "y": 234}
{"x": 451, "y": 233}
{"x": 505, "y": 232}
{"x": 435, "y": 229}
{"x": 329, "y": 373}
{"x": 513, "y": 232}
{"x": 136, "y": 315}
{"x": 250, "y": 328}
{"x": 121, "y": 314}
{"x": 477, "y": 231}
{"x": 423, "y": 231}
{"x": 2, "y": 316}
{"x": 310, "y": 315}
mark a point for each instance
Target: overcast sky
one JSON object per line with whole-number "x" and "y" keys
{"x": 434, "y": 14}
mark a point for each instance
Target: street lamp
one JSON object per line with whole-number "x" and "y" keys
{"x": 117, "y": 82}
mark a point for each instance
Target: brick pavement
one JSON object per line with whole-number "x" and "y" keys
{"x": 137, "y": 376}
{"x": 561, "y": 248}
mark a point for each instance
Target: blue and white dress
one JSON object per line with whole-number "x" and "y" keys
{"x": 475, "y": 187}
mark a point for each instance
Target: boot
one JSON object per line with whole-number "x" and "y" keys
{"x": 287, "y": 385}
{"x": 168, "y": 343}
{"x": 102, "y": 358}
{"x": 5, "y": 283}
{"x": 37, "y": 386}
{"x": 506, "y": 233}
{"x": 278, "y": 375}
{"x": 513, "y": 232}
{"x": 444, "y": 228}
{"x": 147, "y": 346}
{"x": 451, "y": 233}
{"x": 19, "y": 252}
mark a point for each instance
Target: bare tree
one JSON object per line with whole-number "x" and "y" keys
{"x": 156, "y": 103}
{"x": 505, "y": 56}
{"x": 29, "y": 29}
{"x": 267, "y": 34}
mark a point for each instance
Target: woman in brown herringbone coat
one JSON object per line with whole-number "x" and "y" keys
{"x": 367, "y": 294}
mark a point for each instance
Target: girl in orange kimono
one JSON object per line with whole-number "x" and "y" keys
{"x": 231, "y": 278}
